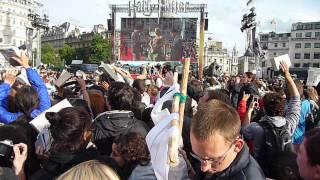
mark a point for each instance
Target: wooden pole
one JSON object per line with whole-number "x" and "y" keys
{"x": 178, "y": 105}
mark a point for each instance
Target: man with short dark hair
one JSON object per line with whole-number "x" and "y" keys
{"x": 120, "y": 120}
{"x": 217, "y": 144}
{"x": 176, "y": 48}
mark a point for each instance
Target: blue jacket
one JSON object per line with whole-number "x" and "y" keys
{"x": 298, "y": 135}
{"x": 37, "y": 83}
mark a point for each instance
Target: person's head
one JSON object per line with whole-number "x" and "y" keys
{"x": 97, "y": 104}
{"x": 248, "y": 77}
{"x": 174, "y": 32}
{"x": 274, "y": 104}
{"x": 26, "y": 100}
{"x": 215, "y": 135}
{"x": 308, "y": 155}
{"x": 311, "y": 94}
{"x": 90, "y": 170}
{"x": 70, "y": 129}
{"x": 130, "y": 149}
{"x": 157, "y": 31}
{"x": 120, "y": 96}
{"x": 139, "y": 84}
{"x": 219, "y": 94}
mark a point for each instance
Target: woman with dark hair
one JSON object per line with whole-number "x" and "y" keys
{"x": 71, "y": 132}
{"x": 308, "y": 156}
{"x": 30, "y": 100}
{"x": 131, "y": 153}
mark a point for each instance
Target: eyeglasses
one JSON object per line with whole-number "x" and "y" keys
{"x": 212, "y": 161}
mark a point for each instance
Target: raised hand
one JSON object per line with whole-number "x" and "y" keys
{"x": 20, "y": 156}
{"x": 23, "y": 60}
{"x": 285, "y": 69}
{"x": 11, "y": 76}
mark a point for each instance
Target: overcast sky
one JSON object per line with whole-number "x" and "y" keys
{"x": 224, "y": 15}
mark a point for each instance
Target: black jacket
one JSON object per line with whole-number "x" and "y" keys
{"x": 59, "y": 163}
{"x": 249, "y": 88}
{"x": 111, "y": 124}
{"x": 244, "y": 167}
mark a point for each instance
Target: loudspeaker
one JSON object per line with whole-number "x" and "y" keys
{"x": 206, "y": 24}
{"x": 110, "y": 25}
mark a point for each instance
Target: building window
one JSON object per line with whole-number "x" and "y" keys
{"x": 307, "y": 45}
{"x": 263, "y": 64}
{"x": 283, "y": 44}
{"x": 317, "y": 26}
{"x": 275, "y": 45}
{"x": 1, "y": 40}
{"x": 306, "y": 56}
{"x": 298, "y": 45}
{"x": 298, "y": 35}
{"x": 308, "y": 26}
{"x": 316, "y": 55}
{"x": 274, "y": 54}
{"x": 317, "y": 34}
{"x": 316, "y": 45}
{"x": 305, "y": 65}
{"x": 297, "y": 56}
{"x": 316, "y": 65}
{"x": 308, "y": 34}
{"x": 300, "y": 27}
{"x": 296, "y": 65}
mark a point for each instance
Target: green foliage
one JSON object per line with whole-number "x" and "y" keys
{"x": 100, "y": 50}
{"x": 67, "y": 53}
{"x": 50, "y": 56}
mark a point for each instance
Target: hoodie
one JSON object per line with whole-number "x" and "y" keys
{"x": 111, "y": 124}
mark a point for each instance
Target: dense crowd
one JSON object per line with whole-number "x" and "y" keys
{"x": 234, "y": 127}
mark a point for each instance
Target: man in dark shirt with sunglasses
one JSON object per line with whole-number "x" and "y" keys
{"x": 216, "y": 143}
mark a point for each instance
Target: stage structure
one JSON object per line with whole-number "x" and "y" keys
{"x": 165, "y": 30}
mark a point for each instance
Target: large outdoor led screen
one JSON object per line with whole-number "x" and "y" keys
{"x": 158, "y": 39}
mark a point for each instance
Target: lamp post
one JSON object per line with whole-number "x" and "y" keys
{"x": 38, "y": 23}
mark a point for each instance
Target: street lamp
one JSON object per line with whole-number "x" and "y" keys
{"x": 38, "y": 23}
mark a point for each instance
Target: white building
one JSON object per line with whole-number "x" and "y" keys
{"x": 246, "y": 64}
{"x": 214, "y": 52}
{"x": 275, "y": 44}
{"x": 56, "y": 36}
{"x": 14, "y": 21}
{"x": 235, "y": 61}
{"x": 305, "y": 44}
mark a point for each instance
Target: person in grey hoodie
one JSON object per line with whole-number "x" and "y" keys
{"x": 274, "y": 107}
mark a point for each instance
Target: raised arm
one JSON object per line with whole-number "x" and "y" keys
{"x": 294, "y": 105}
{"x": 36, "y": 82}
{"x": 7, "y": 117}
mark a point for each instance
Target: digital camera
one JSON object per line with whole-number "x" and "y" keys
{"x": 6, "y": 148}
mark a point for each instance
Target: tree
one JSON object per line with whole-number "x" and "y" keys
{"x": 50, "y": 56}
{"x": 67, "y": 53}
{"x": 100, "y": 50}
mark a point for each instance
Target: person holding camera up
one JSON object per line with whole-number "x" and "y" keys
{"x": 19, "y": 154}
{"x": 30, "y": 101}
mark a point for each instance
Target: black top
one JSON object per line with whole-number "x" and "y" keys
{"x": 59, "y": 163}
{"x": 244, "y": 167}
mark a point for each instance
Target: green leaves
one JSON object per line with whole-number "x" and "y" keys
{"x": 100, "y": 50}
{"x": 67, "y": 53}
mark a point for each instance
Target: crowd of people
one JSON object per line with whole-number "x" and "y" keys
{"x": 235, "y": 127}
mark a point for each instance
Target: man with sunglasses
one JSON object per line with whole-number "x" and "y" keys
{"x": 216, "y": 143}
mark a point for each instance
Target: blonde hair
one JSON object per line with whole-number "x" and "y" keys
{"x": 90, "y": 170}
{"x": 312, "y": 94}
